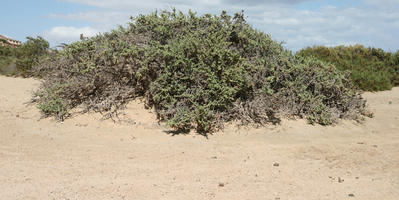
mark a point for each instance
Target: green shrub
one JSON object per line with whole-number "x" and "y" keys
{"x": 20, "y": 61}
{"x": 6, "y": 60}
{"x": 395, "y": 63}
{"x": 371, "y": 69}
{"x": 197, "y": 72}
{"x": 52, "y": 104}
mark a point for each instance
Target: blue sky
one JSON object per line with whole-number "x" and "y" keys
{"x": 297, "y": 23}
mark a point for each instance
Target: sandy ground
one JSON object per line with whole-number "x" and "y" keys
{"x": 88, "y": 158}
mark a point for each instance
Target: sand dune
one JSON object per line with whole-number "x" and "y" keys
{"x": 89, "y": 158}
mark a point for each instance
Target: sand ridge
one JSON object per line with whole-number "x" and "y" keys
{"x": 89, "y": 158}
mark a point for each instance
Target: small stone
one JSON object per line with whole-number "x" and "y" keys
{"x": 351, "y": 195}
{"x": 276, "y": 164}
{"x": 214, "y": 157}
{"x": 340, "y": 180}
{"x": 221, "y": 184}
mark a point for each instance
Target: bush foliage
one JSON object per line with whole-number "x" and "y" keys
{"x": 371, "y": 69}
{"x": 20, "y": 61}
{"x": 7, "y": 60}
{"x": 197, "y": 72}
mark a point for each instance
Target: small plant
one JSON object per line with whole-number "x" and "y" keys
{"x": 51, "y": 104}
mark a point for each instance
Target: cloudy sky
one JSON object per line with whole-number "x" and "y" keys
{"x": 297, "y": 23}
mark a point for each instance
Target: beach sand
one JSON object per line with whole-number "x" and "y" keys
{"x": 86, "y": 157}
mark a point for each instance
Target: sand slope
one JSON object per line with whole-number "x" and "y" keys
{"x": 87, "y": 158}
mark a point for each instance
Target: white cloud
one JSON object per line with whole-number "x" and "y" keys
{"x": 125, "y": 4}
{"x": 129, "y": 4}
{"x": 331, "y": 26}
{"x": 100, "y": 20}
{"x": 67, "y": 34}
{"x": 372, "y": 23}
{"x": 382, "y": 2}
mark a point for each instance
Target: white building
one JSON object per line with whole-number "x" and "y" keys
{"x": 5, "y": 41}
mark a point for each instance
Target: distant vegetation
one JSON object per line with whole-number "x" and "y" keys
{"x": 371, "y": 69}
{"x": 20, "y": 61}
{"x": 197, "y": 72}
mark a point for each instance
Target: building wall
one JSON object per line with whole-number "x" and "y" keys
{"x": 5, "y": 41}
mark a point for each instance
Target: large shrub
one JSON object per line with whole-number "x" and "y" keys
{"x": 29, "y": 54}
{"x": 371, "y": 69}
{"x": 197, "y": 72}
